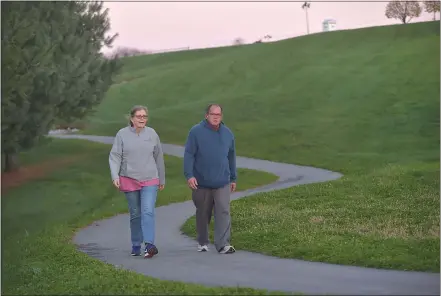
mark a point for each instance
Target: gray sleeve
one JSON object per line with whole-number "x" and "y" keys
{"x": 159, "y": 158}
{"x": 115, "y": 157}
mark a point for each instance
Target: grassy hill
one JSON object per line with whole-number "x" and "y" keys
{"x": 344, "y": 92}
{"x": 362, "y": 102}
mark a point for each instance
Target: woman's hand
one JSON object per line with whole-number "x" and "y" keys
{"x": 161, "y": 187}
{"x": 116, "y": 183}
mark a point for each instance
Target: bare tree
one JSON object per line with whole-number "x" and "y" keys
{"x": 266, "y": 37}
{"x": 432, "y": 6}
{"x": 306, "y": 6}
{"x": 238, "y": 41}
{"x": 124, "y": 51}
{"x": 403, "y": 10}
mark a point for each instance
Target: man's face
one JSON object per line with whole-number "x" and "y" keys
{"x": 214, "y": 116}
{"x": 140, "y": 118}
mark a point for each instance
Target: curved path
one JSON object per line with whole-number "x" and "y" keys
{"x": 178, "y": 260}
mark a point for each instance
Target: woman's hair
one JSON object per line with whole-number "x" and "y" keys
{"x": 134, "y": 110}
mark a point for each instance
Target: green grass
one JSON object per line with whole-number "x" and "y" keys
{"x": 40, "y": 217}
{"x": 361, "y": 102}
{"x": 386, "y": 219}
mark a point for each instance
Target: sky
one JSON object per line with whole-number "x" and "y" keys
{"x": 158, "y": 26}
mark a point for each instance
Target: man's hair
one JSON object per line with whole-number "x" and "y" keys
{"x": 207, "y": 110}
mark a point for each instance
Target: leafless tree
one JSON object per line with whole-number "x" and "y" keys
{"x": 238, "y": 41}
{"x": 403, "y": 10}
{"x": 124, "y": 51}
{"x": 432, "y": 7}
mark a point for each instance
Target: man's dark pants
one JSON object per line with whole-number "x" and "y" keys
{"x": 205, "y": 199}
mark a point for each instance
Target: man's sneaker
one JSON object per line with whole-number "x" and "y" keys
{"x": 227, "y": 250}
{"x": 136, "y": 251}
{"x": 203, "y": 248}
{"x": 150, "y": 250}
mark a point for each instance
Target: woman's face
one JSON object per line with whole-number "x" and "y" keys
{"x": 139, "y": 119}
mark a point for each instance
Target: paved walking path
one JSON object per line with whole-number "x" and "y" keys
{"x": 108, "y": 240}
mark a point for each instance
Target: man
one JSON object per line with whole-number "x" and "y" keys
{"x": 210, "y": 170}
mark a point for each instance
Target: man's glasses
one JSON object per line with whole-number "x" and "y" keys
{"x": 141, "y": 116}
{"x": 215, "y": 114}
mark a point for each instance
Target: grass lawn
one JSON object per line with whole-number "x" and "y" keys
{"x": 361, "y": 102}
{"x": 386, "y": 219}
{"x": 40, "y": 217}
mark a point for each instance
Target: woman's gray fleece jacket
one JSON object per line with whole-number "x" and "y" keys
{"x": 137, "y": 156}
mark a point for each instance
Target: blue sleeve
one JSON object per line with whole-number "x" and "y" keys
{"x": 189, "y": 155}
{"x": 232, "y": 161}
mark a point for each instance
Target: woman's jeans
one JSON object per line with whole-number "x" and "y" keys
{"x": 142, "y": 214}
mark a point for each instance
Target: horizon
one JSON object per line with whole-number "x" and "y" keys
{"x": 174, "y": 25}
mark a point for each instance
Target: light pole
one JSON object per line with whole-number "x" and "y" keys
{"x": 306, "y": 6}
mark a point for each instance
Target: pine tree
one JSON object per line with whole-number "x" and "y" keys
{"x": 52, "y": 68}
{"x": 27, "y": 47}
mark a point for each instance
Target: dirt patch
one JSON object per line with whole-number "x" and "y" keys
{"x": 316, "y": 219}
{"x": 33, "y": 172}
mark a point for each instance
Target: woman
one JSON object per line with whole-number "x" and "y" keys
{"x": 137, "y": 169}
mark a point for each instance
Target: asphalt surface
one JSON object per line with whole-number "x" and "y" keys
{"x": 109, "y": 240}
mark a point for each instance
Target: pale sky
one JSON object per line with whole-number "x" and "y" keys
{"x": 159, "y": 26}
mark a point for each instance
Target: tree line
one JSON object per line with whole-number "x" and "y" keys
{"x": 405, "y": 11}
{"x": 52, "y": 68}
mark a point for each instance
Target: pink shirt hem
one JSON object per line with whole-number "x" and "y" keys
{"x": 128, "y": 184}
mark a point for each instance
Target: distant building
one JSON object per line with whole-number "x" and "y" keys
{"x": 329, "y": 25}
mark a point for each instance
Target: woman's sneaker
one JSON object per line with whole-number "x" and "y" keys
{"x": 227, "y": 250}
{"x": 136, "y": 251}
{"x": 150, "y": 250}
{"x": 202, "y": 248}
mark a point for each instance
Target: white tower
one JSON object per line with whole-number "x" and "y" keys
{"x": 329, "y": 25}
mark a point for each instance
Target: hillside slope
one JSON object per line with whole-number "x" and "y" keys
{"x": 361, "y": 102}
{"x": 345, "y": 94}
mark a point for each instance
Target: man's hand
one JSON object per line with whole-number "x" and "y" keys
{"x": 161, "y": 187}
{"x": 192, "y": 183}
{"x": 233, "y": 186}
{"x": 116, "y": 183}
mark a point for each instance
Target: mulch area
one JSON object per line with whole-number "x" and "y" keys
{"x": 33, "y": 172}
